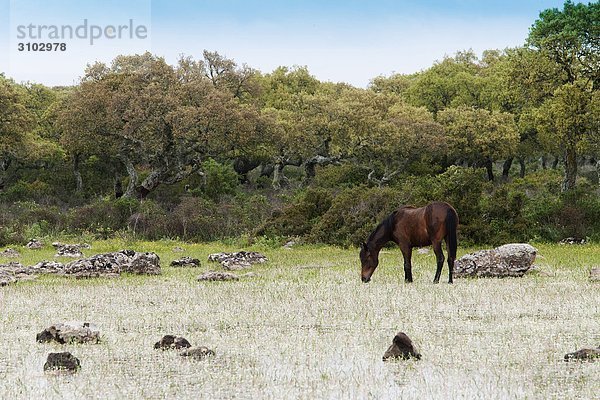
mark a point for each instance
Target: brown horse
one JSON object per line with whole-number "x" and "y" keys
{"x": 413, "y": 227}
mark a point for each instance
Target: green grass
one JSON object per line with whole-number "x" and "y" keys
{"x": 306, "y": 327}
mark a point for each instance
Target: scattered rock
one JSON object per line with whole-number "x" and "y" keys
{"x": 595, "y": 274}
{"x": 113, "y": 264}
{"x": 64, "y": 361}
{"x": 69, "y": 250}
{"x": 573, "y": 240}
{"x": 423, "y": 250}
{"x": 507, "y": 260}
{"x": 169, "y": 342}
{"x": 10, "y": 253}
{"x": 186, "y": 262}
{"x": 143, "y": 264}
{"x": 584, "y": 355}
{"x": 70, "y": 332}
{"x": 46, "y": 267}
{"x": 239, "y": 260}
{"x": 197, "y": 353}
{"x": 402, "y": 347}
{"x": 6, "y": 278}
{"x": 289, "y": 244}
{"x": 34, "y": 244}
{"x": 178, "y": 249}
{"x": 218, "y": 276}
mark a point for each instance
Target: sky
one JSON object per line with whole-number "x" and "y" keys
{"x": 340, "y": 41}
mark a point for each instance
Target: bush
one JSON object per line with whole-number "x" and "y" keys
{"x": 353, "y": 214}
{"x": 298, "y": 218}
{"x": 103, "y": 216}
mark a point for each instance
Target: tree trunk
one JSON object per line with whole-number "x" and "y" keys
{"x": 598, "y": 171}
{"x": 506, "y": 167}
{"x": 555, "y": 162}
{"x": 77, "y": 174}
{"x": 118, "y": 186}
{"x": 570, "y": 168}
{"x": 277, "y": 175}
{"x": 4, "y": 165}
{"x": 133, "y": 178}
{"x": 149, "y": 184}
{"x": 489, "y": 167}
{"x": 523, "y": 167}
{"x": 544, "y": 162}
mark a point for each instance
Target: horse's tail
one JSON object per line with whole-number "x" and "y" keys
{"x": 451, "y": 227}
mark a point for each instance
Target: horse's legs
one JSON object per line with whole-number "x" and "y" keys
{"x": 407, "y": 254}
{"x": 439, "y": 256}
{"x": 450, "y": 262}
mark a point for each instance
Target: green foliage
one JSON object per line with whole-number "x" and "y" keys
{"x": 298, "y": 218}
{"x": 219, "y": 179}
{"x": 353, "y": 214}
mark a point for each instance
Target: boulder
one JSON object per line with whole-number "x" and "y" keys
{"x": 238, "y": 260}
{"x": 401, "y": 348}
{"x": 70, "y": 332}
{"x": 62, "y": 362}
{"x": 573, "y": 240}
{"x": 218, "y": 276}
{"x": 113, "y": 264}
{"x": 504, "y": 261}
{"x": 45, "y": 267}
{"x": 186, "y": 262}
{"x": 595, "y": 274}
{"x": 7, "y": 278}
{"x": 169, "y": 342}
{"x": 69, "y": 250}
{"x": 10, "y": 253}
{"x": 584, "y": 355}
{"x": 197, "y": 353}
{"x": 34, "y": 244}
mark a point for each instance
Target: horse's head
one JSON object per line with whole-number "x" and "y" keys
{"x": 369, "y": 261}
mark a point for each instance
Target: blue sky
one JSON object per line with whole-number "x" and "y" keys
{"x": 351, "y": 41}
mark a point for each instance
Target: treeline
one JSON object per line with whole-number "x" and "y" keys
{"x": 207, "y": 149}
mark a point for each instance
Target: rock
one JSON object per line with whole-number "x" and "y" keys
{"x": 573, "y": 240}
{"x": 65, "y": 361}
{"x": 6, "y": 278}
{"x": 169, "y": 342}
{"x": 46, "y": 267}
{"x": 69, "y": 250}
{"x": 34, "y": 244}
{"x": 584, "y": 355}
{"x": 595, "y": 274}
{"x": 289, "y": 244}
{"x": 402, "y": 347}
{"x": 143, "y": 264}
{"x": 507, "y": 260}
{"x": 186, "y": 262}
{"x": 218, "y": 276}
{"x": 70, "y": 332}
{"x": 178, "y": 249}
{"x": 239, "y": 260}
{"x": 10, "y": 253}
{"x": 423, "y": 250}
{"x": 113, "y": 264}
{"x": 197, "y": 353}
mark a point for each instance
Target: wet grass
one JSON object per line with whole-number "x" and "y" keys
{"x": 306, "y": 327}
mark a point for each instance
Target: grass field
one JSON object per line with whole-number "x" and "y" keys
{"x": 306, "y": 327}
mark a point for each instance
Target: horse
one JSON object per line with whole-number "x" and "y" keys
{"x": 410, "y": 227}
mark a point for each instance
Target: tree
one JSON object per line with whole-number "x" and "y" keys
{"x": 16, "y": 123}
{"x": 570, "y": 38}
{"x": 480, "y": 137}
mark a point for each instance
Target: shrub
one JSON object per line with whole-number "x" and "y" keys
{"x": 298, "y": 218}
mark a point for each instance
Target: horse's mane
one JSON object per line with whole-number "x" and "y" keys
{"x": 387, "y": 224}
